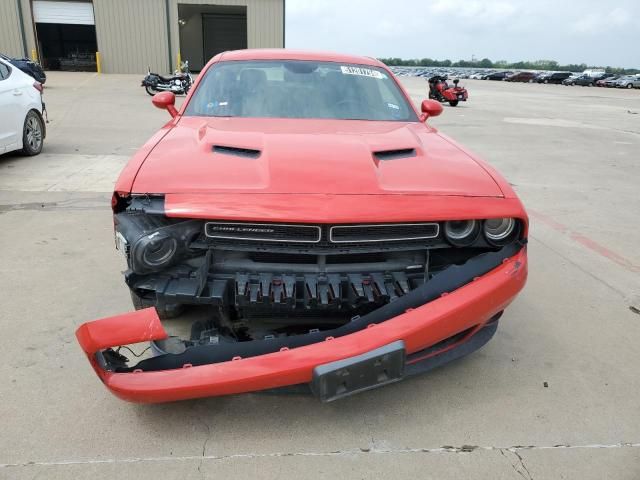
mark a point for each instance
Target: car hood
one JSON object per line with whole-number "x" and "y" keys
{"x": 304, "y": 156}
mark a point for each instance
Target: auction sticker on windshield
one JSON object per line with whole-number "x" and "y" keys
{"x": 363, "y": 72}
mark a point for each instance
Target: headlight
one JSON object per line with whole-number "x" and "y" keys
{"x": 461, "y": 233}
{"x": 152, "y": 243}
{"x": 156, "y": 250}
{"x": 499, "y": 230}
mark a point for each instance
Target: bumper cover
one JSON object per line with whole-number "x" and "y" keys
{"x": 459, "y": 299}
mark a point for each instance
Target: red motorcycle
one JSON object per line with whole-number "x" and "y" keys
{"x": 441, "y": 91}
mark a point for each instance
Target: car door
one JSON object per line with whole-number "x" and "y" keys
{"x": 9, "y": 106}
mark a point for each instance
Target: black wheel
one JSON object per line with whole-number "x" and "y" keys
{"x": 32, "y": 134}
{"x": 546, "y": 81}
{"x": 630, "y": 85}
{"x": 165, "y": 312}
{"x": 453, "y": 103}
{"x": 150, "y": 90}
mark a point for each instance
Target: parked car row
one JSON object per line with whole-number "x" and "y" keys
{"x": 553, "y": 77}
{"x": 604, "y": 80}
{"x": 588, "y": 78}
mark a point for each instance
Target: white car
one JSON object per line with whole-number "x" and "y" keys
{"x": 22, "y": 125}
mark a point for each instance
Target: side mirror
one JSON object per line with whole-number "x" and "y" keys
{"x": 456, "y": 81}
{"x": 430, "y": 108}
{"x": 165, "y": 101}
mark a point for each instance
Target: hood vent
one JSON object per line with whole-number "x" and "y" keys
{"x": 395, "y": 154}
{"x": 237, "y": 151}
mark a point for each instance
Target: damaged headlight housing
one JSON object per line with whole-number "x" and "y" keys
{"x": 156, "y": 250}
{"x": 153, "y": 242}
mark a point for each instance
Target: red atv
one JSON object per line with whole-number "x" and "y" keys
{"x": 440, "y": 90}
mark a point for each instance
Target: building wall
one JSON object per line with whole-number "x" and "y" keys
{"x": 29, "y": 31}
{"x": 265, "y": 22}
{"x": 132, "y": 35}
{"x": 10, "y": 36}
{"x": 191, "y": 37}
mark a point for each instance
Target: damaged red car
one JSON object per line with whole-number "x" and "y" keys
{"x": 339, "y": 242}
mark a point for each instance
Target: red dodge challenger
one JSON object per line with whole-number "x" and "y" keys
{"x": 339, "y": 241}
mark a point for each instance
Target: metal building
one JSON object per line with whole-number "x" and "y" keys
{"x": 133, "y": 34}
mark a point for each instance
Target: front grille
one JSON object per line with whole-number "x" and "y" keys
{"x": 383, "y": 233}
{"x": 325, "y": 235}
{"x": 264, "y": 232}
{"x": 285, "y": 257}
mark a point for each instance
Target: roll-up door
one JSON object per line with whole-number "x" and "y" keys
{"x": 69, "y": 13}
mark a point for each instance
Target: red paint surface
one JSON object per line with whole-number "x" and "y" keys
{"x": 309, "y": 156}
{"x": 140, "y": 326}
{"x": 469, "y": 306}
{"x": 430, "y": 108}
{"x": 319, "y": 208}
{"x": 165, "y": 101}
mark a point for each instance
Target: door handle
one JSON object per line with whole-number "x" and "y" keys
{"x": 17, "y": 92}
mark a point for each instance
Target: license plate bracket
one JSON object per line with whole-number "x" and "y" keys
{"x": 352, "y": 375}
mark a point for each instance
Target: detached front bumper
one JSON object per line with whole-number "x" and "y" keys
{"x": 452, "y": 312}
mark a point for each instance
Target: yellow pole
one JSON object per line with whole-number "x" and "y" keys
{"x": 34, "y": 55}
{"x": 179, "y": 61}
{"x": 98, "y": 62}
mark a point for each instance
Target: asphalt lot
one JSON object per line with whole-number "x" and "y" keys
{"x": 572, "y": 154}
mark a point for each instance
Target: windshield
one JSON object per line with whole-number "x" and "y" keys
{"x": 299, "y": 89}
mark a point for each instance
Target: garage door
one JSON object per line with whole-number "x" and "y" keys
{"x": 70, "y": 13}
{"x": 222, "y": 32}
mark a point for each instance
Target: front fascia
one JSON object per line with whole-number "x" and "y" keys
{"x": 320, "y": 208}
{"x": 469, "y": 306}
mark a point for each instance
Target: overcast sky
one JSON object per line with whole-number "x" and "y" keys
{"x": 596, "y": 32}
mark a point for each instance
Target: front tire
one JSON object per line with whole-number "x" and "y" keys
{"x": 630, "y": 85}
{"x": 32, "y": 134}
{"x": 453, "y": 103}
{"x": 150, "y": 90}
{"x": 166, "y": 312}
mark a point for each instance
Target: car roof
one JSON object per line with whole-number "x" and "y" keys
{"x": 15, "y": 70}
{"x": 287, "y": 54}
